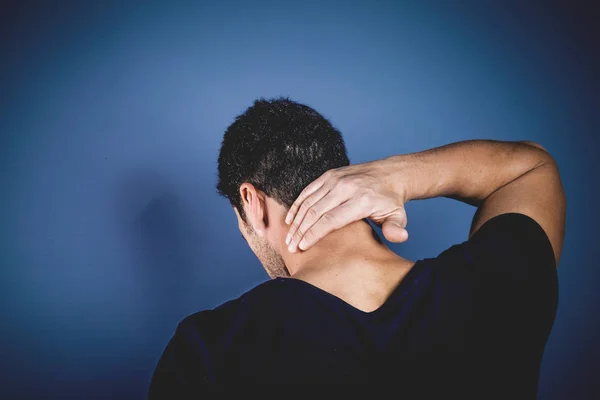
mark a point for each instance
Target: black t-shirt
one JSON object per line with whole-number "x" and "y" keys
{"x": 473, "y": 320}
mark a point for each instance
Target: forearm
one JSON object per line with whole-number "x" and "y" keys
{"x": 468, "y": 171}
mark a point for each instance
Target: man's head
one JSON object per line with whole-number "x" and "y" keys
{"x": 269, "y": 154}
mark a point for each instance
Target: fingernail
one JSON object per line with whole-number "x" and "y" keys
{"x": 288, "y": 238}
{"x": 291, "y": 249}
{"x": 287, "y": 220}
{"x": 302, "y": 244}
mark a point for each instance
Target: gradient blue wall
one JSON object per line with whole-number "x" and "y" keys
{"x": 111, "y": 119}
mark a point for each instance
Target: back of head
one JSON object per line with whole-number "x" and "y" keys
{"x": 279, "y": 146}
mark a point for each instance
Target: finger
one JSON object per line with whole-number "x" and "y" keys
{"x": 304, "y": 210}
{"x": 332, "y": 220}
{"x": 394, "y": 230}
{"x": 308, "y": 190}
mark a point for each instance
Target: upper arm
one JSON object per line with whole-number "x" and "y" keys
{"x": 539, "y": 194}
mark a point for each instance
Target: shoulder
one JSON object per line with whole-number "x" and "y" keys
{"x": 504, "y": 236}
{"x": 509, "y": 250}
{"x": 512, "y": 239}
{"x": 212, "y": 323}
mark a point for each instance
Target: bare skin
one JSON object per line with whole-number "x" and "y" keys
{"x": 349, "y": 263}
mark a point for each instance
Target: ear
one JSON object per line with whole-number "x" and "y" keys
{"x": 254, "y": 205}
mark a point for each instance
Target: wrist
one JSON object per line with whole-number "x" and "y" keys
{"x": 399, "y": 173}
{"x": 416, "y": 176}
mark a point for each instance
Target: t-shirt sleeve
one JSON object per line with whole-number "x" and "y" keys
{"x": 182, "y": 370}
{"x": 510, "y": 248}
{"x": 512, "y": 266}
{"x": 511, "y": 262}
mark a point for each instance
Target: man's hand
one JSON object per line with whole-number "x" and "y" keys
{"x": 343, "y": 195}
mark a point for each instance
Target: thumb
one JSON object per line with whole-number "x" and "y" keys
{"x": 393, "y": 231}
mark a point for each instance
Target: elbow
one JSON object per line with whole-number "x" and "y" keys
{"x": 547, "y": 157}
{"x": 534, "y": 144}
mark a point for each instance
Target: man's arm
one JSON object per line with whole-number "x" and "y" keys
{"x": 497, "y": 177}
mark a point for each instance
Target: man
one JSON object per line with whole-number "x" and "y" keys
{"x": 342, "y": 307}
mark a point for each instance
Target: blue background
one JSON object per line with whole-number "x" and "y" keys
{"x": 111, "y": 117}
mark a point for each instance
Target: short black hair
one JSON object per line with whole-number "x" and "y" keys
{"x": 279, "y": 146}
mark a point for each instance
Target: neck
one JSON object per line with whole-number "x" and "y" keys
{"x": 352, "y": 246}
{"x": 352, "y": 264}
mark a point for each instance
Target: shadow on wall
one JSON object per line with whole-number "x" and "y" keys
{"x": 161, "y": 240}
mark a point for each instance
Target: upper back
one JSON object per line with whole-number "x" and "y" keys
{"x": 480, "y": 311}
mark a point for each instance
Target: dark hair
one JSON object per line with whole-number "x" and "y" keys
{"x": 280, "y": 146}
